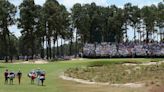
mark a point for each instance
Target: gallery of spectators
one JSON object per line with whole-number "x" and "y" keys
{"x": 124, "y": 50}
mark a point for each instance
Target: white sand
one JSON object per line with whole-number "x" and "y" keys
{"x": 79, "y": 59}
{"x": 131, "y": 85}
{"x": 146, "y": 64}
{"x": 33, "y": 62}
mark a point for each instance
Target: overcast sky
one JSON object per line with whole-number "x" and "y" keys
{"x": 70, "y": 3}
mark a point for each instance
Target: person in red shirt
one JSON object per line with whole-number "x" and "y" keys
{"x": 6, "y": 74}
{"x": 32, "y": 76}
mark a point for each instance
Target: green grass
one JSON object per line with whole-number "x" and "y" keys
{"x": 53, "y": 83}
{"x": 53, "y": 71}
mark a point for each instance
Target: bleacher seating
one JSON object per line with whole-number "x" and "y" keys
{"x": 123, "y": 49}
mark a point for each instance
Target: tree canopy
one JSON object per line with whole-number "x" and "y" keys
{"x": 43, "y": 26}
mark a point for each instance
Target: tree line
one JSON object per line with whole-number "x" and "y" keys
{"x": 43, "y": 26}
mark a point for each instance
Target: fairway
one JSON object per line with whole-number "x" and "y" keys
{"x": 55, "y": 84}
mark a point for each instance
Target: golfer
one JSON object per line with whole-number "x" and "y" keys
{"x": 11, "y": 77}
{"x": 19, "y": 75}
{"x": 32, "y": 76}
{"x": 38, "y": 72}
{"x": 6, "y": 74}
{"x": 42, "y": 77}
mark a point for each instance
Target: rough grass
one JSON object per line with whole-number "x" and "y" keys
{"x": 115, "y": 72}
{"x": 157, "y": 89}
{"x": 100, "y": 62}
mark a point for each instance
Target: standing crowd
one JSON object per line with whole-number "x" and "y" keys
{"x": 37, "y": 74}
{"x": 124, "y": 49}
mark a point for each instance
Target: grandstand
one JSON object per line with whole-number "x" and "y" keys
{"x": 130, "y": 49}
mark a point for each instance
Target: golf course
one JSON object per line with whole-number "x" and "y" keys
{"x": 54, "y": 70}
{"x": 81, "y": 45}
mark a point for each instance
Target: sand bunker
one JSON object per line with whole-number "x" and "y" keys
{"x": 146, "y": 64}
{"x": 33, "y": 62}
{"x": 77, "y": 59}
{"x": 131, "y": 85}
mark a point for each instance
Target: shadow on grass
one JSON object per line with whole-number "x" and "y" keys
{"x": 2, "y": 67}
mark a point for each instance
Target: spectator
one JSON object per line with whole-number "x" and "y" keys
{"x": 124, "y": 49}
